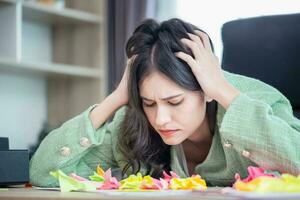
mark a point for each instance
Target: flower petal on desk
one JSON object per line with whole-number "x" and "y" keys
{"x": 68, "y": 183}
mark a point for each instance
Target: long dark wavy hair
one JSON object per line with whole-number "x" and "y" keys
{"x": 154, "y": 45}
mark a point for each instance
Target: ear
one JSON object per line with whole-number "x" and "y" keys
{"x": 207, "y": 99}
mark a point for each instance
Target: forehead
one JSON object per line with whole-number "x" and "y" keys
{"x": 157, "y": 84}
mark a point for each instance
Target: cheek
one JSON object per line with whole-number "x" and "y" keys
{"x": 150, "y": 114}
{"x": 192, "y": 113}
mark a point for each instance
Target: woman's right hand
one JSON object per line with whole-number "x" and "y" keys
{"x": 122, "y": 90}
{"x": 112, "y": 102}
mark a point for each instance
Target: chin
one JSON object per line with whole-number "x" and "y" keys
{"x": 172, "y": 141}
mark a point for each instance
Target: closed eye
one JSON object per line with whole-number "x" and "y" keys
{"x": 175, "y": 103}
{"x": 170, "y": 103}
{"x": 148, "y": 105}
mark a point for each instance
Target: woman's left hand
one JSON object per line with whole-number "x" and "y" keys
{"x": 207, "y": 70}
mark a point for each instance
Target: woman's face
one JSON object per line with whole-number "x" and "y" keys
{"x": 174, "y": 112}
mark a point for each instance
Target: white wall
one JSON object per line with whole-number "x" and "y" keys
{"x": 210, "y": 15}
{"x": 23, "y": 97}
{"x": 23, "y": 108}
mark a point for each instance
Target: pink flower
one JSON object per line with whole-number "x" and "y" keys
{"x": 253, "y": 172}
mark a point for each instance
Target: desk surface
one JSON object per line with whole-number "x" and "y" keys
{"x": 36, "y": 194}
{"x": 211, "y": 193}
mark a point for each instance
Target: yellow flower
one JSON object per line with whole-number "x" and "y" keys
{"x": 191, "y": 183}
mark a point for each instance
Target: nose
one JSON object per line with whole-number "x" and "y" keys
{"x": 163, "y": 116}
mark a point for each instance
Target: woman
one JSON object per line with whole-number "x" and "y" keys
{"x": 176, "y": 110}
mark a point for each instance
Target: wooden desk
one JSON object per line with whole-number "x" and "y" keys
{"x": 211, "y": 193}
{"x": 30, "y": 193}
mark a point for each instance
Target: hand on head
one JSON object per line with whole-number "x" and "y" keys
{"x": 122, "y": 89}
{"x": 205, "y": 65}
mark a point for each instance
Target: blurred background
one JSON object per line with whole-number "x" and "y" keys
{"x": 57, "y": 57}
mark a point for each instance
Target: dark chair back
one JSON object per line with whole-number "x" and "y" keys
{"x": 266, "y": 48}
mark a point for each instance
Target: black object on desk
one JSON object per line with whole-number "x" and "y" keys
{"x": 14, "y": 164}
{"x": 4, "y": 144}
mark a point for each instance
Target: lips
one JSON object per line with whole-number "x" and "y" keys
{"x": 168, "y": 132}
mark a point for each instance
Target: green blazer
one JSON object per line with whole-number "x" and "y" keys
{"x": 258, "y": 129}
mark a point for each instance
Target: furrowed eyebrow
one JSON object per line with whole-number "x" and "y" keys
{"x": 165, "y": 98}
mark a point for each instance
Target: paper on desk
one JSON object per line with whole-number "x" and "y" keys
{"x": 47, "y": 188}
{"x": 145, "y": 193}
{"x": 70, "y": 184}
{"x": 259, "y": 180}
{"x": 148, "y": 193}
{"x": 104, "y": 181}
{"x": 256, "y": 195}
{"x": 129, "y": 192}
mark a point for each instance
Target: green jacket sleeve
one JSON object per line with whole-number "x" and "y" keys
{"x": 262, "y": 128}
{"x": 74, "y": 147}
